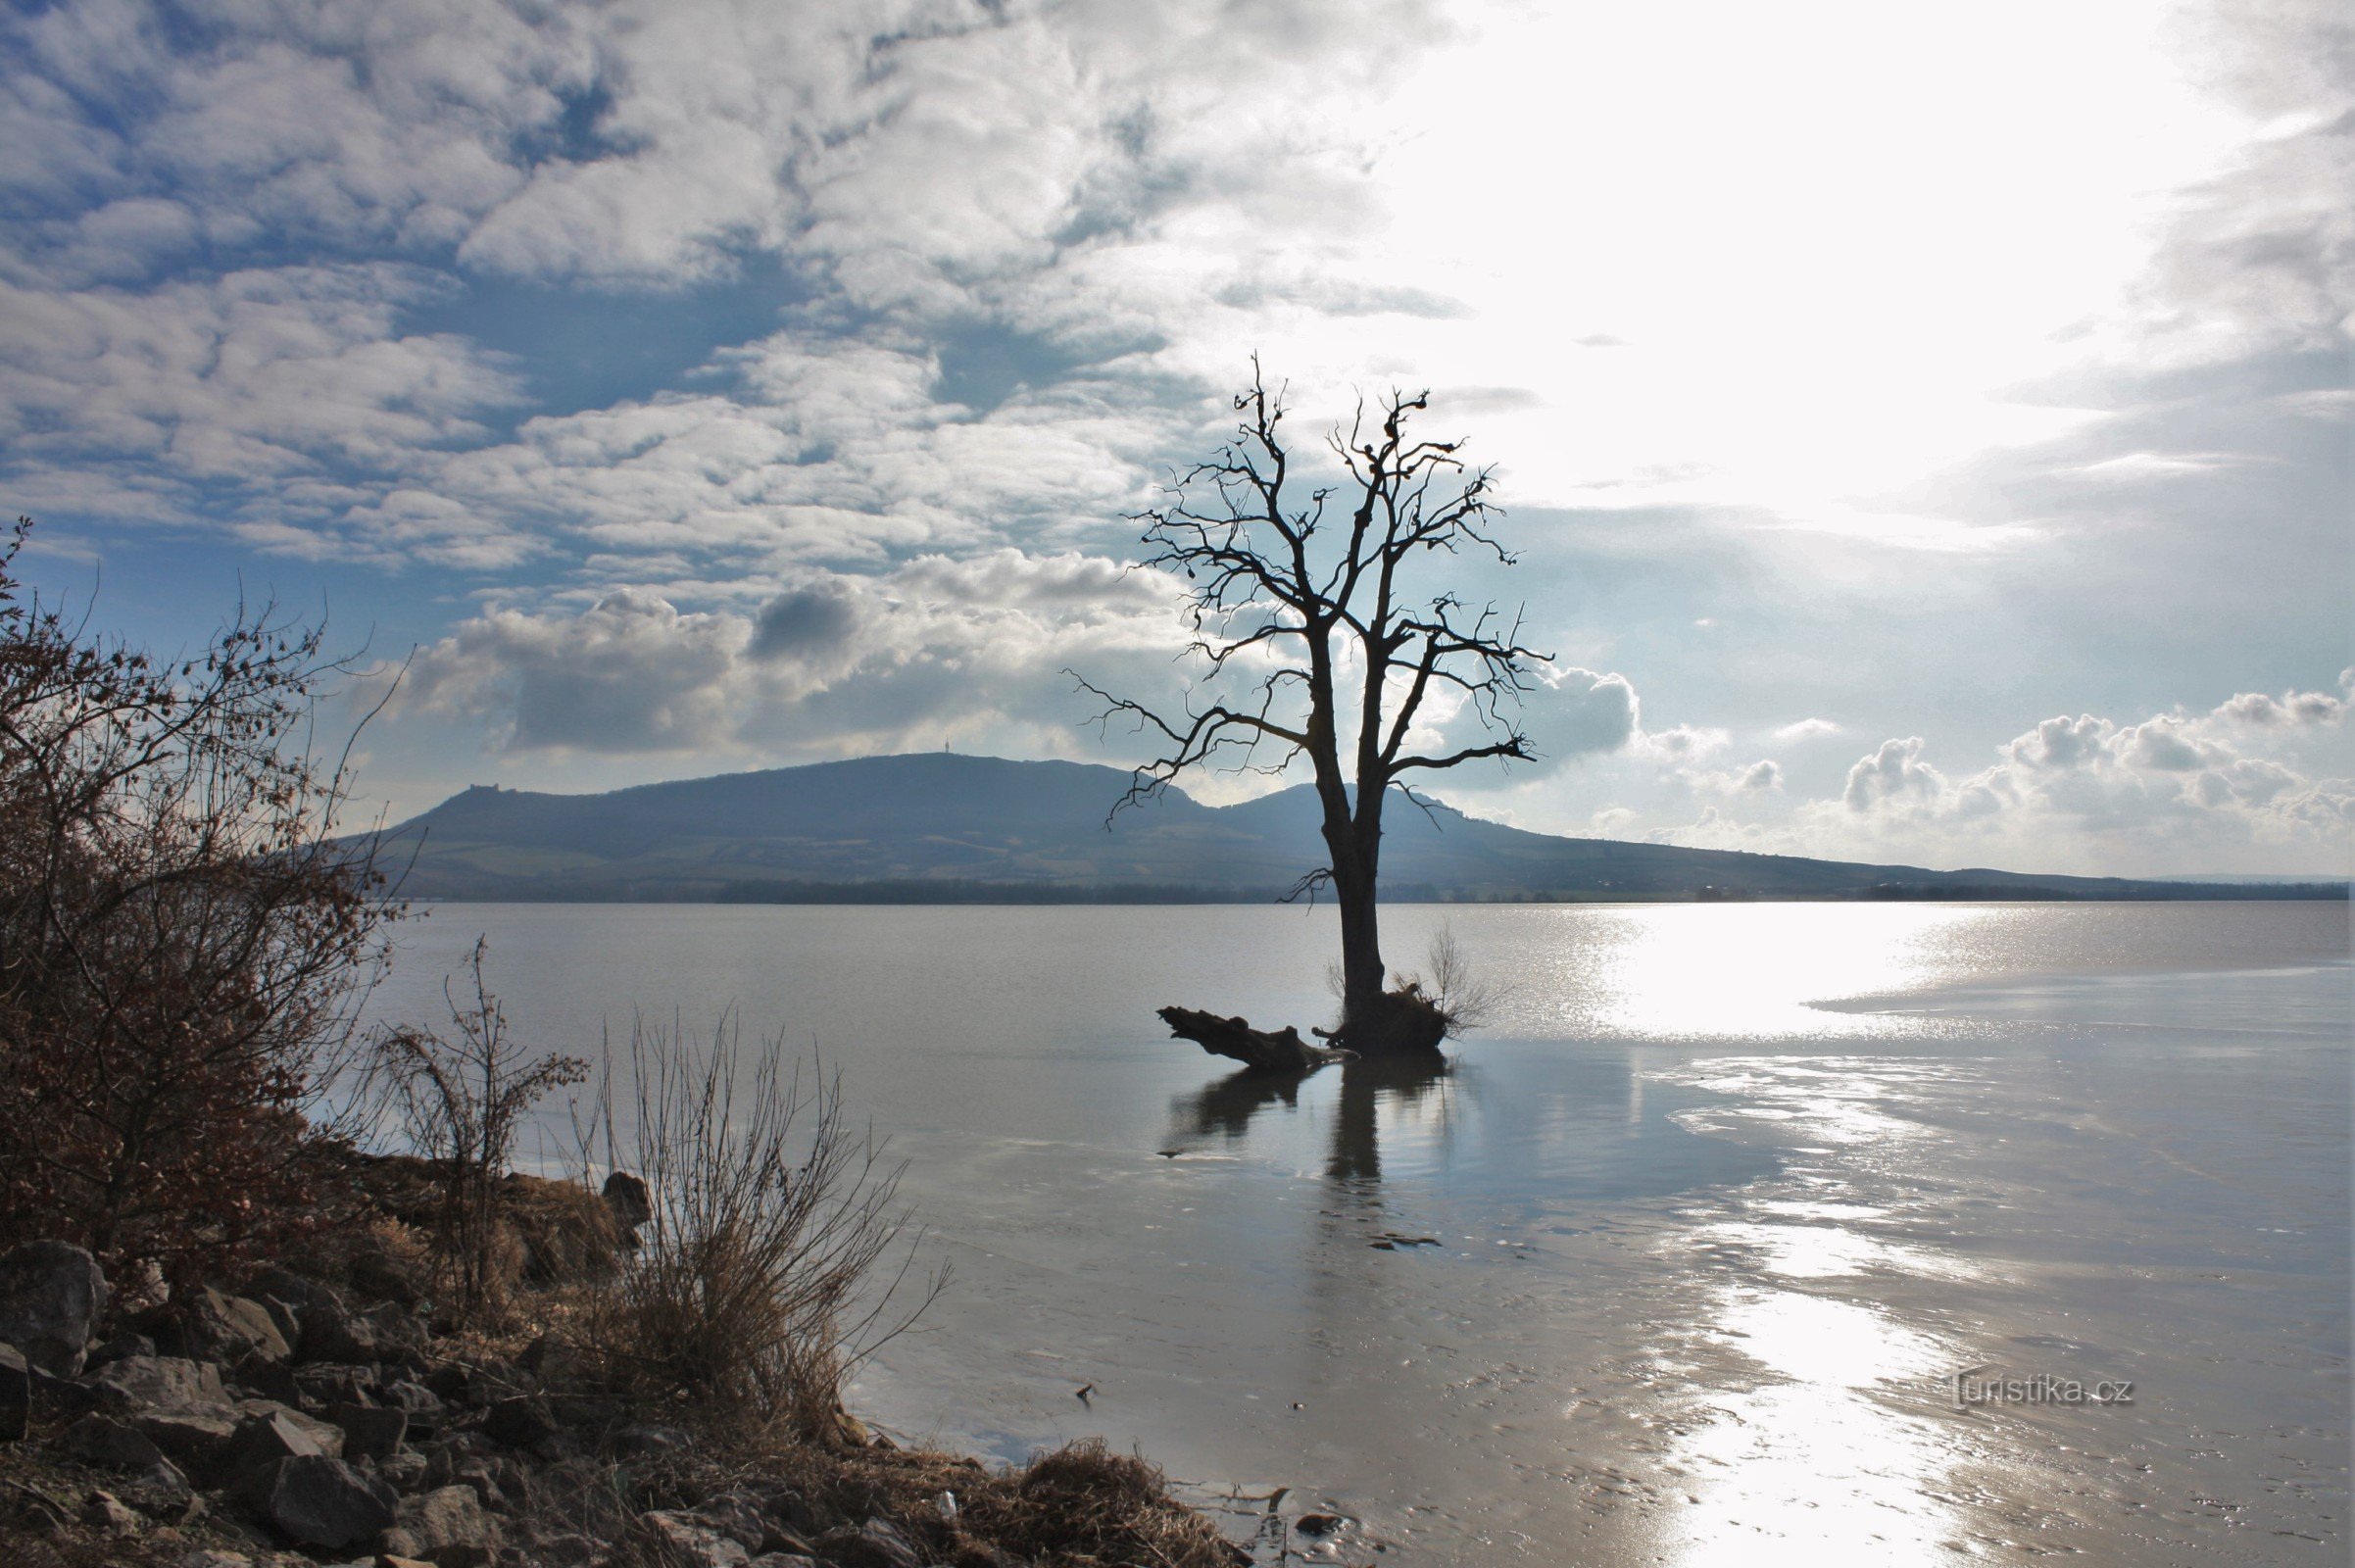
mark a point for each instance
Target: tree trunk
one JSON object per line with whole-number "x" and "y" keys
{"x": 1361, "y": 968}
{"x": 1281, "y": 1051}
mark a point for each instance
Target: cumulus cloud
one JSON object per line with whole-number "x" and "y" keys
{"x": 2168, "y": 781}
{"x": 1581, "y": 712}
{"x": 1894, "y": 772}
{"x": 834, "y": 665}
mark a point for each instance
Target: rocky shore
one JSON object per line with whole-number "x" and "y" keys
{"x": 314, "y": 1410}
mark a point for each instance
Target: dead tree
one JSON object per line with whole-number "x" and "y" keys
{"x": 1316, "y": 638}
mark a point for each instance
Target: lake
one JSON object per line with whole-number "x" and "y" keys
{"x": 1685, "y": 1250}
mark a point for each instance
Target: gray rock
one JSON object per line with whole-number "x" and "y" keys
{"x": 738, "y": 1518}
{"x": 261, "y": 1441}
{"x": 688, "y": 1541}
{"x": 369, "y": 1432}
{"x": 424, "y": 1407}
{"x": 157, "y": 1381}
{"x": 640, "y": 1437}
{"x": 161, "y": 1492}
{"x": 230, "y": 1329}
{"x": 117, "y": 1348}
{"x": 318, "y": 1501}
{"x": 51, "y": 1297}
{"x": 316, "y": 1387}
{"x": 483, "y": 1478}
{"x": 15, "y": 1395}
{"x": 284, "y": 1284}
{"x": 403, "y": 1471}
{"x": 563, "y": 1551}
{"x": 520, "y": 1422}
{"x": 873, "y": 1544}
{"x": 103, "y": 1440}
{"x": 332, "y": 1332}
{"x": 326, "y": 1434}
{"x": 451, "y": 1529}
{"x": 283, "y": 1318}
{"x": 783, "y": 1560}
{"x": 196, "y": 1436}
{"x": 103, "y": 1510}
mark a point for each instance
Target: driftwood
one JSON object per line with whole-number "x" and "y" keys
{"x": 1283, "y": 1051}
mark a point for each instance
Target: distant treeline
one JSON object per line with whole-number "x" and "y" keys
{"x": 929, "y": 890}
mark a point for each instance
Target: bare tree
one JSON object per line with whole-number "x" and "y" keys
{"x": 1318, "y": 639}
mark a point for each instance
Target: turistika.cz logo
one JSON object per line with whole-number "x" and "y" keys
{"x": 1975, "y": 1388}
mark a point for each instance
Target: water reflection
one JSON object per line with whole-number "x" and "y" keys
{"x": 1224, "y": 1110}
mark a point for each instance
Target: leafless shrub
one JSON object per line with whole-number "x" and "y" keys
{"x": 1464, "y": 998}
{"x": 777, "y": 1256}
{"x": 184, "y": 941}
{"x": 460, "y": 1099}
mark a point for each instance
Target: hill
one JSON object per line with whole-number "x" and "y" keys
{"x": 941, "y": 829}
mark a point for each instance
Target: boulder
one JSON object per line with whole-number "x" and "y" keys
{"x": 318, "y": 1388}
{"x": 403, "y": 1470}
{"x": 104, "y": 1440}
{"x": 51, "y": 1297}
{"x": 15, "y": 1395}
{"x": 261, "y": 1441}
{"x": 55, "y": 1395}
{"x": 629, "y": 1199}
{"x": 567, "y": 1550}
{"x": 451, "y": 1529}
{"x": 873, "y": 1544}
{"x": 369, "y": 1432}
{"x": 333, "y": 1332}
{"x": 196, "y": 1436}
{"x": 179, "y": 1404}
{"x": 318, "y": 1501}
{"x": 738, "y": 1518}
{"x": 783, "y": 1560}
{"x": 276, "y": 1284}
{"x": 157, "y": 1381}
{"x": 103, "y": 1510}
{"x": 685, "y": 1539}
{"x": 161, "y": 1492}
{"x": 483, "y": 1478}
{"x": 233, "y": 1330}
{"x": 520, "y": 1422}
{"x": 117, "y": 1348}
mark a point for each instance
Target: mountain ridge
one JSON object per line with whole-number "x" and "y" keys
{"x": 939, "y": 827}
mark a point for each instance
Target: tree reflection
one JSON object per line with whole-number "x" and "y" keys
{"x": 1225, "y": 1108}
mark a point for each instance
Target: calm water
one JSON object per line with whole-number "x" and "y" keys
{"x": 1723, "y": 1198}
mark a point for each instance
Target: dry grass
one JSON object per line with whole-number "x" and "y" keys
{"x": 776, "y": 1258}
{"x": 1080, "y": 1506}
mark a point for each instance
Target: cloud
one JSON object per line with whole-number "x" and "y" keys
{"x": 1581, "y": 712}
{"x": 834, "y": 665}
{"x": 1808, "y": 729}
{"x": 1892, "y": 773}
{"x": 2172, "y": 782}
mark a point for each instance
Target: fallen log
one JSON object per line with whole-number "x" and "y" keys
{"x": 1283, "y": 1051}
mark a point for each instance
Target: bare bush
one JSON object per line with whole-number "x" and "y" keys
{"x": 777, "y": 1256}
{"x": 1462, "y": 996}
{"x": 460, "y": 1099}
{"x": 184, "y": 940}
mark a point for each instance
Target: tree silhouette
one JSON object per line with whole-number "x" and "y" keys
{"x": 1315, "y": 637}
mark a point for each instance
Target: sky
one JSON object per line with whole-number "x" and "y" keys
{"x": 1923, "y": 431}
